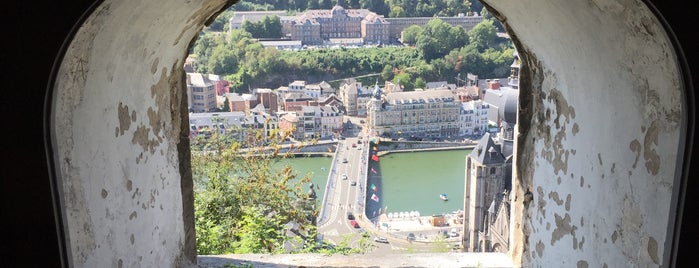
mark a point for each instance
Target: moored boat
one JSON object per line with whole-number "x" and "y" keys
{"x": 444, "y": 197}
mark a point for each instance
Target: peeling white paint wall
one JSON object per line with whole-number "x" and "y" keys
{"x": 604, "y": 136}
{"x": 116, "y": 130}
{"x": 597, "y": 164}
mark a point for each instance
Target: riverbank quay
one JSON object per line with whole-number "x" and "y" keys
{"x": 427, "y": 230}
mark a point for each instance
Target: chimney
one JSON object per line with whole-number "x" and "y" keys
{"x": 494, "y": 84}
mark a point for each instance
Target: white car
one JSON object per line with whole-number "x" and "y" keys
{"x": 381, "y": 239}
{"x": 344, "y": 176}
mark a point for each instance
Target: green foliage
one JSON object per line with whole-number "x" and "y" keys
{"x": 441, "y": 53}
{"x": 405, "y": 80}
{"x": 420, "y": 83}
{"x": 396, "y": 12}
{"x": 268, "y": 27}
{"x": 483, "y": 35}
{"x": 411, "y": 34}
{"x": 440, "y": 244}
{"x": 221, "y": 21}
{"x": 243, "y": 201}
{"x": 438, "y": 38}
{"x": 387, "y": 73}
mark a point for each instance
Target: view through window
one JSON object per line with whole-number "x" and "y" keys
{"x": 352, "y": 127}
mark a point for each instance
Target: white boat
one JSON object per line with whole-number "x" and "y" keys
{"x": 444, "y": 197}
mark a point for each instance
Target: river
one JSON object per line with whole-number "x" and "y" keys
{"x": 414, "y": 181}
{"x": 408, "y": 181}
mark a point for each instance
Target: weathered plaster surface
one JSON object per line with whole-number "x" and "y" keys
{"x": 118, "y": 134}
{"x": 600, "y": 125}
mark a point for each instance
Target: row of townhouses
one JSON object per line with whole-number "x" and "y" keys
{"x": 432, "y": 112}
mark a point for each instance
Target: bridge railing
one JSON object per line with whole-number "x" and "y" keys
{"x": 327, "y": 194}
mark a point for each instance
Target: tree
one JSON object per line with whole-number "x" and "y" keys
{"x": 411, "y": 33}
{"x": 387, "y": 73}
{"x": 222, "y": 61}
{"x": 434, "y": 41}
{"x": 221, "y": 21}
{"x": 420, "y": 83}
{"x": 396, "y": 12}
{"x": 202, "y": 49}
{"x": 404, "y": 80}
{"x": 226, "y": 105}
{"x": 242, "y": 199}
{"x": 483, "y": 35}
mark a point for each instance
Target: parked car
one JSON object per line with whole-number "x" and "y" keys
{"x": 411, "y": 237}
{"x": 363, "y": 232}
{"x": 381, "y": 239}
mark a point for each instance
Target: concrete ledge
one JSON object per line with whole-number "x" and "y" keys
{"x": 450, "y": 259}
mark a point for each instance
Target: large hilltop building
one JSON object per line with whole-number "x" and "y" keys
{"x": 356, "y": 26}
{"x": 316, "y": 27}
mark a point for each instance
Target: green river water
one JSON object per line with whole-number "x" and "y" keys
{"x": 409, "y": 181}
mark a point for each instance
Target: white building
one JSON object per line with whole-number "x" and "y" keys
{"x": 474, "y": 117}
{"x": 201, "y": 93}
{"x": 205, "y": 124}
{"x": 320, "y": 121}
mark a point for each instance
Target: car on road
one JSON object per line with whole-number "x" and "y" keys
{"x": 344, "y": 176}
{"x": 344, "y": 160}
{"x": 350, "y": 216}
{"x": 364, "y": 233}
{"x": 354, "y": 223}
{"x": 411, "y": 237}
{"x": 381, "y": 239}
{"x": 341, "y": 138}
{"x": 354, "y": 145}
{"x": 353, "y": 183}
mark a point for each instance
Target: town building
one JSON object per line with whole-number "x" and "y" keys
{"x": 268, "y": 99}
{"x": 245, "y": 102}
{"x": 259, "y": 119}
{"x": 312, "y": 90}
{"x": 474, "y": 117}
{"x": 487, "y": 170}
{"x": 289, "y": 125}
{"x": 432, "y": 113}
{"x": 294, "y": 101}
{"x": 349, "y": 90}
{"x": 201, "y": 93}
{"x": 311, "y": 122}
{"x": 320, "y": 121}
{"x": 488, "y": 179}
{"x": 206, "y": 124}
{"x": 318, "y": 27}
{"x": 340, "y": 26}
{"x": 397, "y": 25}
